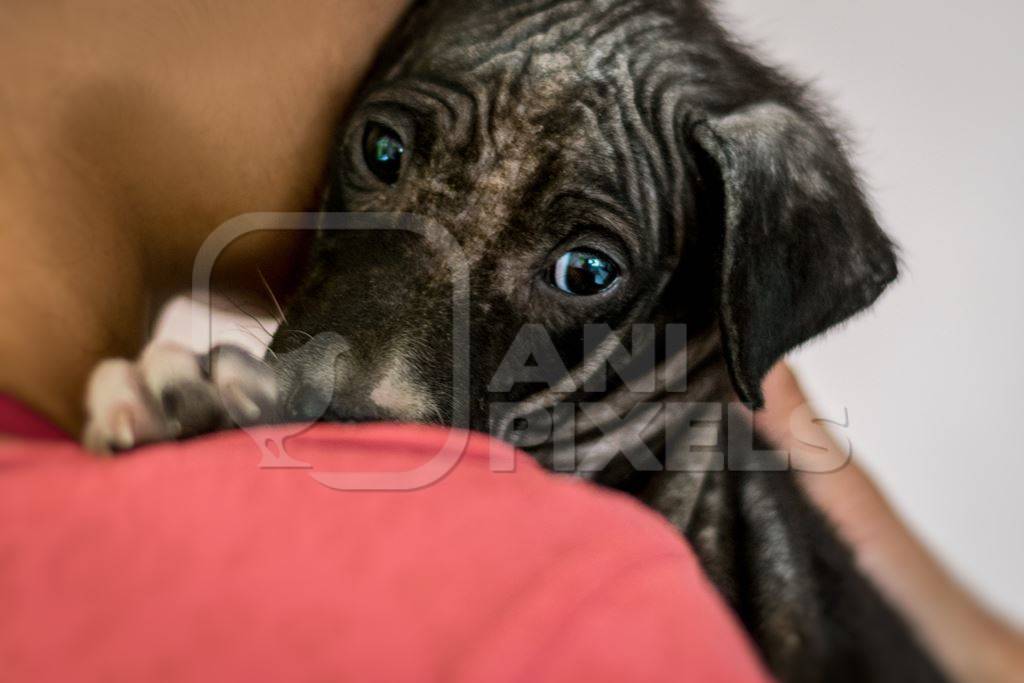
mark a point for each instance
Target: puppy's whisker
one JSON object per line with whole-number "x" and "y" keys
{"x": 302, "y": 332}
{"x": 248, "y": 314}
{"x": 265, "y": 344}
{"x": 260, "y": 311}
{"x": 277, "y": 304}
{"x": 245, "y": 330}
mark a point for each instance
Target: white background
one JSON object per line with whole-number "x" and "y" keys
{"x": 933, "y": 377}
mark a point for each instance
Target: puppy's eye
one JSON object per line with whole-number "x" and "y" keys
{"x": 584, "y": 272}
{"x": 383, "y": 150}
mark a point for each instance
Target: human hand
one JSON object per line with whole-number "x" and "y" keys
{"x": 972, "y": 643}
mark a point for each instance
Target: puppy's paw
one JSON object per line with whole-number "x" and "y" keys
{"x": 171, "y": 393}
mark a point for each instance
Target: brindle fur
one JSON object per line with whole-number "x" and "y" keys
{"x": 641, "y": 128}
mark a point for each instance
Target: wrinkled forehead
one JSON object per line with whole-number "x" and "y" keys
{"x": 531, "y": 49}
{"x": 528, "y": 102}
{"x": 528, "y": 80}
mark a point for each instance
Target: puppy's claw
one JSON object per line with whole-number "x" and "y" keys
{"x": 124, "y": 432}
{"x": 169, "y": 394}
{"x": 240, "y": 404}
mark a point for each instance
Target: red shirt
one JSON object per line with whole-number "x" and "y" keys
{"x": 188, "y": 562}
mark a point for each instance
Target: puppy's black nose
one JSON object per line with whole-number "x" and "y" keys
{"x": 308, "y": 403}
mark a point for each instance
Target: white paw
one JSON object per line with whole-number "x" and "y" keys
{"x": 172, "y": 393}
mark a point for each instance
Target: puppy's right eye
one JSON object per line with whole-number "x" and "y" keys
{"x": 584, "y": 272}
{"x": 383, "y": 150}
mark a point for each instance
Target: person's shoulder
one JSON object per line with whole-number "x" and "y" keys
{"x": 447, "y": 547}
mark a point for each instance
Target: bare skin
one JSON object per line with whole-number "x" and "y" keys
{"x": 971, "y": 643}
{"x": 129, "y": 131}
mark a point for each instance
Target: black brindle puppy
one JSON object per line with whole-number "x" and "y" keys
{"x": 607, "y": 162}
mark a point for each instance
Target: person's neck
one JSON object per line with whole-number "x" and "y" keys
{"x": 73, "y": 294}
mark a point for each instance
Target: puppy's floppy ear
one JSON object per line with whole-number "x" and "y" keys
{"x": 801, "y": 249}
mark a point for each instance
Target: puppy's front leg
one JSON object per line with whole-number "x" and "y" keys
{"x": 172, "y": 393}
